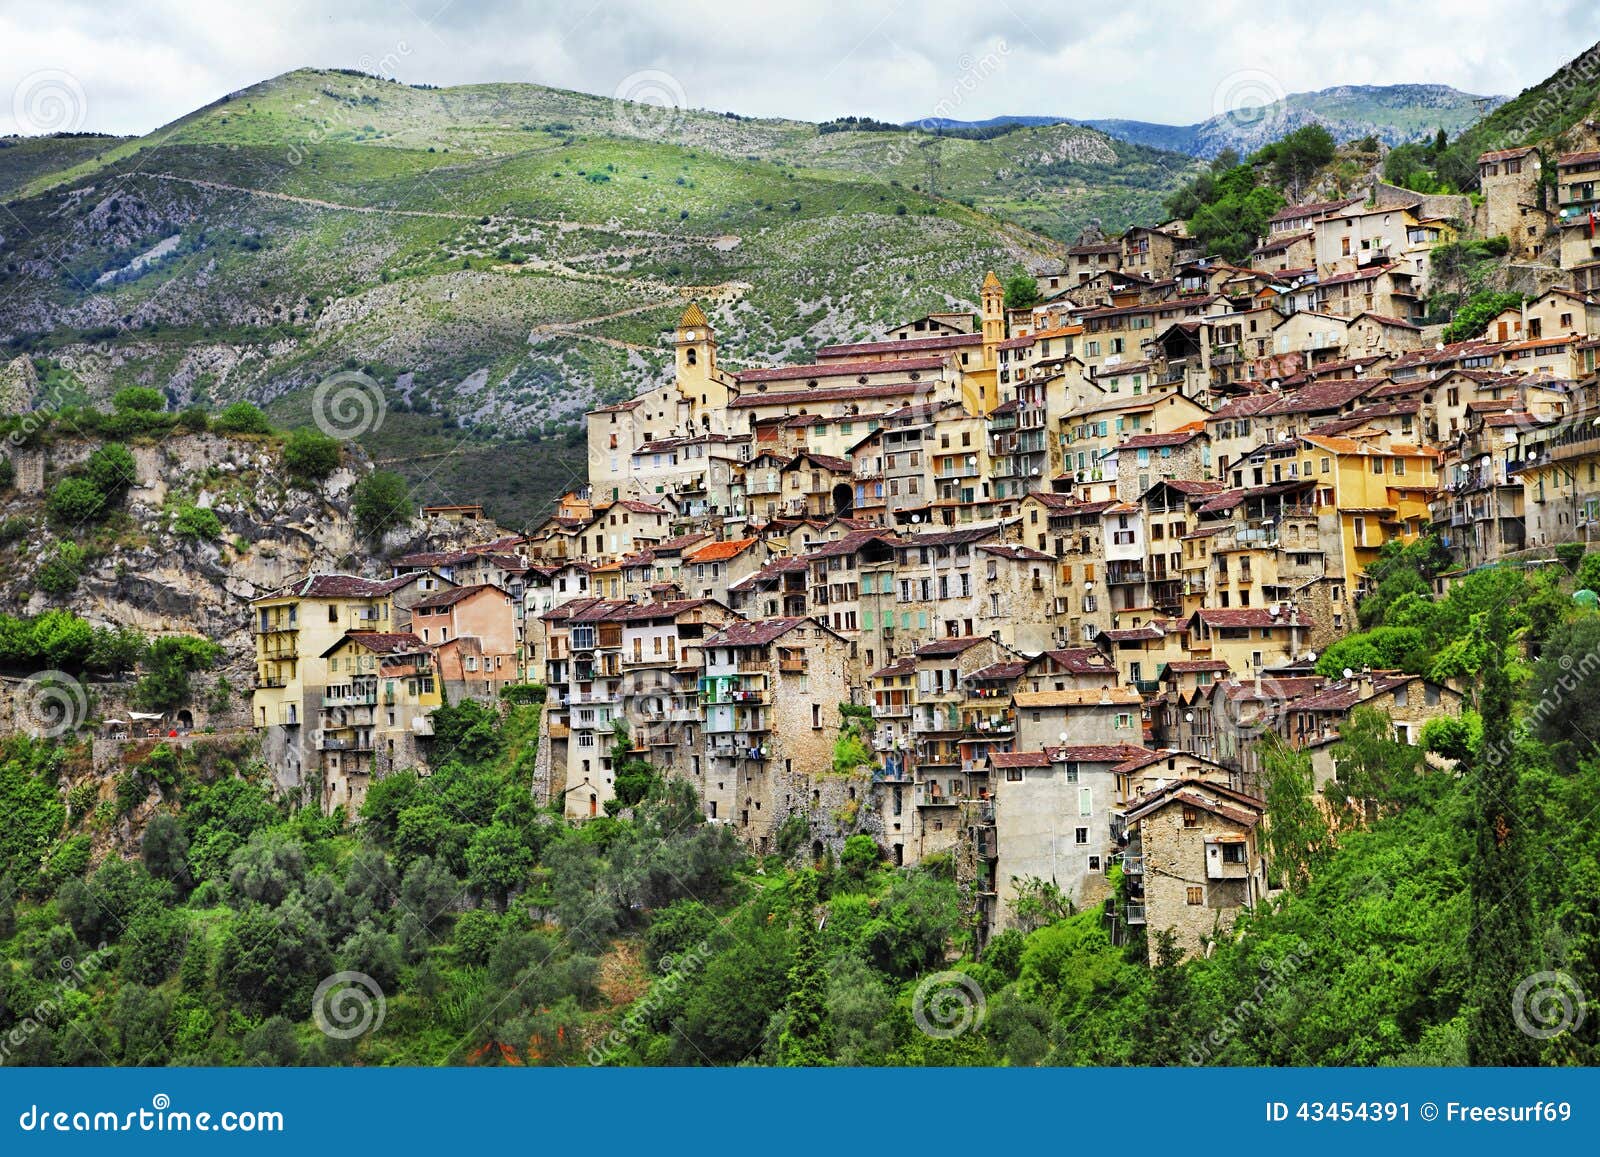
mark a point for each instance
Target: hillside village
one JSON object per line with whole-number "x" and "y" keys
{"x": 1022, "y": 587}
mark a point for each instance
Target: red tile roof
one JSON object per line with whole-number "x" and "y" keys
{"x": 838, "y": 369}
{"x": 720, "y": 551}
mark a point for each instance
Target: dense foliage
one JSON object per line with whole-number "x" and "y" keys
{"x": 1413, "y": 899}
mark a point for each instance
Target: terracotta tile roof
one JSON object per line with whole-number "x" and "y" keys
{"x": 851, "y": 542}
{"x": 1018, "y": 553}
{"x": 720, "y": 551}
{"x": 1206, "y": 796}
{"x": 916, "y": 344}
{"x": 754, "y": 634}
{"x": 906, "y": 665}
{"x": 1281, "y": 241}
{"x": 1383, "y": 319}
{"x": 380, "y": 642}
{"x": 1080, "y": 697}
{"x": 1112, "y": 753}
{"x": 1077, "y": 660}
{"x": 1577, "y": 158}
{"x": 334, "y": 586}
{"x": 1248, "y": 617}
{"x": 942, "y": 648}
{"x": 1005, "y": 759}
{"x": 451, "y": 597}
{"x": 1148, "y": 441}
{"x": 1370, "y": 273}
{"x": 1313, "y": 209}
{"x": 836, "y": 369}
{"x": 434, "y": 558}
{"x": 1006, "y": 670}
{"x": 1194, "y": 666}
{"x": 1504, "y": 154}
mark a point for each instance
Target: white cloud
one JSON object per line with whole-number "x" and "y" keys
{"x": 894, "y": 59}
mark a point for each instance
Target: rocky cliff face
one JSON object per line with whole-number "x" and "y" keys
{"x": 142, "y": 573}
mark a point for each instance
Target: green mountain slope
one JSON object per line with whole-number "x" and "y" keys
{"x": 505, "y": 256}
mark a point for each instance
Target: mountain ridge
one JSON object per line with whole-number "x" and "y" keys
{"x": 1348, "y": 111}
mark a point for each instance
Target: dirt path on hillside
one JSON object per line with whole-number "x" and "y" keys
{"x": 719, "y": 241}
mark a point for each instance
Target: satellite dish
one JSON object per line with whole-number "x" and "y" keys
{"x": 1188, "y": 716}
{"x": 1274, "y": 610}
{"x": 1349, "y": 674}
{"x": 1311, "y": 656}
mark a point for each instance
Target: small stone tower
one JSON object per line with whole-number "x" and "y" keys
{"x": 993, "y": 295}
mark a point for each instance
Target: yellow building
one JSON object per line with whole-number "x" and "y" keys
{"x": 1379, "y": 488}
{"x": 294, "y": 627}
{"x": 382, "y": 689}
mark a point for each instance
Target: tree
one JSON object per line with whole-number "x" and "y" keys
{"x": 1565, "y": 692}
{"x": 1500, "y": 938}
{"x": 382, "y": 502}
{"x": 1227, "y": 209}
{"x": 498, "y": 860}
{"x": 310, "y": 455}
{"x": 1372, "y": 764}
{"x": 1169, "y": 1026}
{"x": 1022, "y": 292}
{"x": 138, "y": 399}
{"x": 1474, "y": 317}
{"x": 59, "y": 574}
{"x": 1296, "y": 158}
{"x": 168, "y": 663}
{"x": 242, "y": 418}
{"x": 804, "y": 1039}
{"x": 165, "y": 849}
{"x": 75, "y": 501}
{"x": 1297, "y": 831}
{"x": 111, "y": 470}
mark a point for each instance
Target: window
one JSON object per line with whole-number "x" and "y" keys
{"x": 1195, "y": 895}
{"x": 1085, "y": 801}
{"x": 1191, "y": 817}
{"x": 1081, "y": 835}
{"x": 1013, "y": 775}
{"x": 1233, "y": 853}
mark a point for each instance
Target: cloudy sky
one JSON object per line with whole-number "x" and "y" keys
{"x": 128, "y": 67}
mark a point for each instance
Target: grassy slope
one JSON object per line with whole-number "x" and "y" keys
{"x": 507, "y": 254}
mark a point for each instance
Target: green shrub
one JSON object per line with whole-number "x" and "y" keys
{"x": 75, "y": 501}
{"x": 310, "y": 455}
{"x": 59, "y": 574}
{"x": 111, "y": 470}
{"x": 1569, "y": 555}
{"x": 242, "y": 418}
{"x": 197, "y": 523}
{"x": 139, "y": 398}
{"x": 382, "y": 502}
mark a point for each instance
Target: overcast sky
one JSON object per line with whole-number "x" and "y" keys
{"x": 129, "y": 67}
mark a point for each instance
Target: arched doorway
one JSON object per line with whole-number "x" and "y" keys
{"x": 844, "y": 500}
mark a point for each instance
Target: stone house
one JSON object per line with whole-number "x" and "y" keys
{"x": 1513, "y": 200}
{"x": 1085, "y": 715}
{"x": 1199, "y": 863}
{"x": 769, "y": 692}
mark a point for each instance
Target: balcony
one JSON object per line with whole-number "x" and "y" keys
{"x": 1135, "y": 913}
{"x": 275, "y": 627}
{"x": 365, "y": 698}
{"x": 926, "y": 798}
